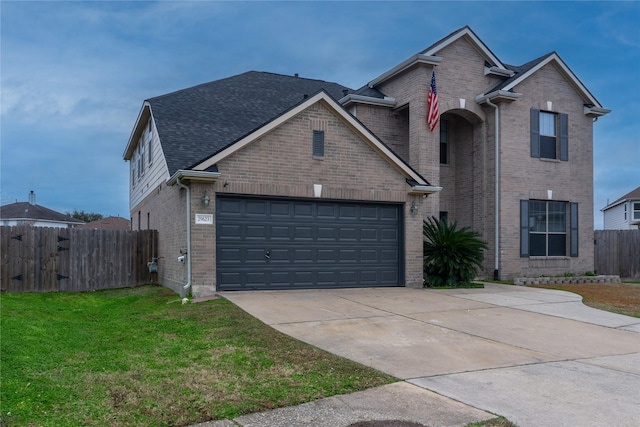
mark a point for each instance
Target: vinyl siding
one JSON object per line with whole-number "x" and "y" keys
{"x": 154, "y": 174}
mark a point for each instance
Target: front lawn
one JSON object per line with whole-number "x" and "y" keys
{"x": 622, "y": 298}
{"x": 139, "y": 357}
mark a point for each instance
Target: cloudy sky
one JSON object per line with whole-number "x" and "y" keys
{"x": 74, "y": 74}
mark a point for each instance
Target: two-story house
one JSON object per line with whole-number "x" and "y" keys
{"x": 265, "y": 181}
{"x": 623, "y": 213}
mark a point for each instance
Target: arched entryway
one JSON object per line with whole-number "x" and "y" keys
{"x": 463, "y": 174}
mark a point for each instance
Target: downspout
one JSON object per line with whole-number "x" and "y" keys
{"x": 188, "y": 189}
{"x": 496, "y": 270}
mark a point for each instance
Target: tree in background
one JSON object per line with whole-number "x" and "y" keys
{"x": 452, "y": 256}
{"x": 85, "y": 216}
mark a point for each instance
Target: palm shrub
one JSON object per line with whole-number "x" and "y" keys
{"x": 452, "y": 255}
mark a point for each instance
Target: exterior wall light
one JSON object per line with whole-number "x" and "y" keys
{"x": 205, "y": 199}
{"x": 414, "y": 208}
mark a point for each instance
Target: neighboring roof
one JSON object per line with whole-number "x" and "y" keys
{"x": 27, "y": 211}
{"x": 631, "y": 195}
{"x": 108, "y": 223}
{"x": 197, "y": 122}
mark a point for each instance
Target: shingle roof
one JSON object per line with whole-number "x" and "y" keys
{"x": 633, "y": 194}
{"x": 25, "y": 210}
{"x": 197, "y": 122}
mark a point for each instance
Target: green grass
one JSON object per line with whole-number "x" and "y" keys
{"x": 139, "y": 357}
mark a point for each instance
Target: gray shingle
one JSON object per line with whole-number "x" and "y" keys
{"x": 195, "y": 123}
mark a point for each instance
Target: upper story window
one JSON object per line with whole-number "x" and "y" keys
{"x": 318, "y": 143}
{"x": 444, "y": 142}
{"x": 636, "y": 211}
{"x": 549, "y": 135}
{"x": 140, "y": 157}
{"x": 150, "y": 140}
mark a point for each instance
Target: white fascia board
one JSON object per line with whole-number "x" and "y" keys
{"x": 369, "y": 100}
{"x": 595, "y": 111}
{"x": 143, "y": 117}
{"x": 497, "y": 71}
{"x": 566, "y": 71}
{"x": 339, "y": 110}
{"x": 193, "y": 175}
{"x": 618, "y": 203}
{"x": 466, "y": 31}
{"x": 498, "y": 95}
{"x": 419, "y": 58}
{"x": 424, "y": 189}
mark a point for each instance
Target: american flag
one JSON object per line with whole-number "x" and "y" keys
{"x": 433, "y": 115}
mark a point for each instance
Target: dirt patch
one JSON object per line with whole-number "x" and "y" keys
{"x": 623, "y": 298}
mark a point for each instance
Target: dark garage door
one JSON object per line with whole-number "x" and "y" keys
{"x": 301, "y": 244}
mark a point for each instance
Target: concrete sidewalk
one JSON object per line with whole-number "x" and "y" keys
{"x": 538, "y": 357}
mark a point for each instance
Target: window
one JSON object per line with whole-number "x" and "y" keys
{"x": 546, "y": 228}
{"x": 444, "y": 140}
{"x": 625, "y": 211}
{"x": 150, "y": 140}
{"x": 443, "y": 214}
{"x": 140, "y": 157}
{"x": 318, "y": 143}
{"x": 636, "y": 211}
{"x": 549, "y": 135}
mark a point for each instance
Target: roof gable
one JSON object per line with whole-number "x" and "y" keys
{"x": 530, "y": 68}
{"x": 466, "y": 32}
{"x": 382, "y": 149}
{"x": 194, "y": 123}
{"x": 493, "y": 65}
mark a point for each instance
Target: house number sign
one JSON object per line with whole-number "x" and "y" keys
{"x": 204, "y": 218}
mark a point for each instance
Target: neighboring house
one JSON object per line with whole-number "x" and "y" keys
{"x": 266, "y": 181}
{"x": 108, "y": 223}
{"x": 30, "y": 213}
{"x": 624, "y": 213}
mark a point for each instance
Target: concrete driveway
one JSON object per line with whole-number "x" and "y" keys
{"x": 538, "y": 357}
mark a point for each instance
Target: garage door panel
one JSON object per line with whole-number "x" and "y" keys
{"x": 347, "y": 213}
{"x": 326, "y": 233}
{"x": 303, "y": 232}
{"x": 230, "y": 231}
{"x": 327, "y": 211}
{"x": 279, "y": 209}
{"x": 285, "y": 244}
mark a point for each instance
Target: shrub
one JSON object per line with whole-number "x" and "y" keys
{"x": 452, "y": 256}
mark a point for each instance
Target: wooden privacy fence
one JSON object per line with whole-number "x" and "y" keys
{"x": 39, "y": 259}
{"x": 617, "y": 252}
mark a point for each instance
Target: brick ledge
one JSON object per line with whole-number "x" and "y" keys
{"x": 524, "y": 281}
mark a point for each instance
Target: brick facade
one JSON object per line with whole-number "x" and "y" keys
{"x": 280, "y": 164}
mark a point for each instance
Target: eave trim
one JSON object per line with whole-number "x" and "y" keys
{"x": 193, "y": 175}
{"x": 417, "y": 59}
{"x": 321, "y": 96}
{"x": 369, "y": 100}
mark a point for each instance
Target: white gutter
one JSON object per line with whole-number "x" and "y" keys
{"x": 177, "y": 179}
{"x": 188, "y": 189}
{"x": 369, "y": 100}
{"x": 424, "y": 189}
